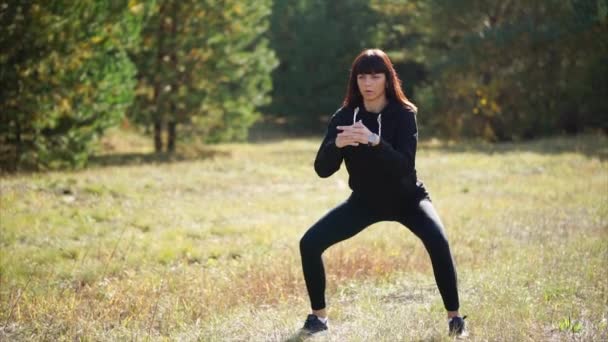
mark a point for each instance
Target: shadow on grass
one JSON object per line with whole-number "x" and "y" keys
{"x": 298, "y": 336}
{"x": 301, "y": 336}
{"x": 130, "y": 159}
{"x": 593, "y": 146}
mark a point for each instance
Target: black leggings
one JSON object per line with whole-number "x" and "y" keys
{"x": 351, "y": 217}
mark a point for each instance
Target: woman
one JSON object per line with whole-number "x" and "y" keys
{"x": 375, "y": 133}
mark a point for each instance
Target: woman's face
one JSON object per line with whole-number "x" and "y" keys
{"x": 372, "y": 86}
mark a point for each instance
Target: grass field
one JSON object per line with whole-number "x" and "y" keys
{"x": 205, "y": 248}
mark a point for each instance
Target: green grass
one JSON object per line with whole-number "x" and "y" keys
{"x": 206, "y": 247}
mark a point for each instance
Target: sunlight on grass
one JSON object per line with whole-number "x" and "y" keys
{"x": 207, "y": 248}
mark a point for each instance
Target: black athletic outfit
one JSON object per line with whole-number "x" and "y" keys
{"x": 384, "y": 188}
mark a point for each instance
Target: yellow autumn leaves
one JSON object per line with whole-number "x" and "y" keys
{"x": 484, "y": 104}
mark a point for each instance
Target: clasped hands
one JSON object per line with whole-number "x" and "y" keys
{"x": 352, "y": 135}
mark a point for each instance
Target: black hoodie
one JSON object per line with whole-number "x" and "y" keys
{"x": 382, "y": 175}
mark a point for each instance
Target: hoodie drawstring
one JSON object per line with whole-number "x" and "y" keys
{"x": 379, "y": 121}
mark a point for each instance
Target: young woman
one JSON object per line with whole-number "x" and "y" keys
{"x": 375, "y": 133}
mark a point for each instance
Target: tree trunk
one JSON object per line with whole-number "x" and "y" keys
{"x": 18, "y": 145}
{"x": 158, "y": 135}
{"x": 171, "y": 125}
{"x": 157, "y": 115}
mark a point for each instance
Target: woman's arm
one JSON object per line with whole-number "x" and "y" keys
{"x": 400, "y": 158}
{"x": 329, "y": 157}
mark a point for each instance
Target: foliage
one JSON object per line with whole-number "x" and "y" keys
{"x": 514, "y": 69}
{"x": 206, "y": 65}
{"x": 316, "y": 42}
{"x": 65, "y": 77}
{"x": 501, "y": 70}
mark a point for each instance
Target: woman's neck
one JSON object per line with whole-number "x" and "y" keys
{"x": 375, "y": 105}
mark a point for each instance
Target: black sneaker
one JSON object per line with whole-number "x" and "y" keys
{"x": 313, "y": 325}
{"x": 457, "y": 327}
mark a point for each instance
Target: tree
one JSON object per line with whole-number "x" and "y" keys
{"x": 316, "y": 41}
{"x": 515, "y": 69}
{"x": 65, "y": 77}
{"x": 204, "y": 65}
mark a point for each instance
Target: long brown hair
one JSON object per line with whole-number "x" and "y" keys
{"x": 375, "y": 61}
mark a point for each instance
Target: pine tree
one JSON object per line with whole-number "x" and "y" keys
{"x": 65, "y": 77}
{"x": 204, "y": 65}
{"x": 514, "y": 69}
{"x": 316, "y": 42}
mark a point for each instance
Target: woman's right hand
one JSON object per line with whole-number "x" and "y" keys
{"x": 345, "y": 138}
{"x": 352, "y": 135}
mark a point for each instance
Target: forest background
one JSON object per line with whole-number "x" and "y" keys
{"x": 215, "y": 71}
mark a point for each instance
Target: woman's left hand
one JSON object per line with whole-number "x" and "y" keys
{"x": 357, "y": 131}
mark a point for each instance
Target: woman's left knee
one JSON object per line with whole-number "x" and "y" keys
{"x": 437, "y": 237}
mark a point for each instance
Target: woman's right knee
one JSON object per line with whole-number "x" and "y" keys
{"x": 309, "y": 244}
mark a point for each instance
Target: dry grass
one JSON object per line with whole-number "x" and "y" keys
{"x": 206, "y": 247}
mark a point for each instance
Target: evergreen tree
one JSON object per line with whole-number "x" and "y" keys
{"x": 64, "y": 77}
{"x": 515, "y": 69}
{"x": 205, "y": 65}
{"x": 316, "y": 42}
